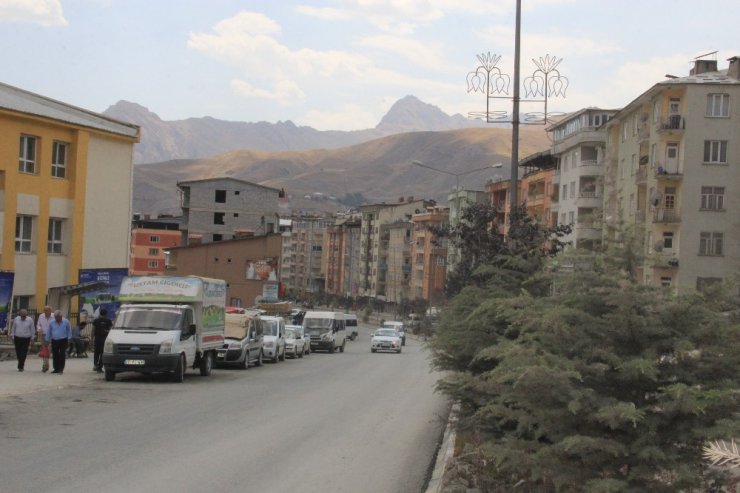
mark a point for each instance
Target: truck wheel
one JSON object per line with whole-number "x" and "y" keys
{"x": 331, "y": 348}
{"x": 109, "y": 375}
{"x": 275, "y": 358}
{"x": 179, "y": 374}
{"x": 259, "y": 359}
{"x": 206, "y": 364}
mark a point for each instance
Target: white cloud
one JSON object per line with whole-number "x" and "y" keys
{"x": 540, "y": 44}
{"x": 326, "y": 13}
{"x": 46, "y": 13}
{"x": 422, "y": 54}
{"x": 284, "y": 92}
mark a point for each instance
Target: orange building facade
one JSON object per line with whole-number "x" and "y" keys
{"x": 428, "y": 254}
{"x": 149, "y": 240}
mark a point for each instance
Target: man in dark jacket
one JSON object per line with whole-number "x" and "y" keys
{"x": 101, "y": 327}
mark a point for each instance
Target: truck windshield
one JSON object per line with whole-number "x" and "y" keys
{"x": 270, "y": 327}
{"x": 141, "y": 318}
{"x": 318, "y": 324}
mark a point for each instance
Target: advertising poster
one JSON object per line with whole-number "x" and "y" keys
{"x": 6, "y": 296}
{"x": 106, "y": 298}
{"x": 262, "y": 270}
{"x": 270, "y": 292}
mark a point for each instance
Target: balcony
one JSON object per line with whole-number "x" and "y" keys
{"x": 664, "y": 260}
{"x": 674, "y": 123}
{"x": 641, "y": 175}
{"x": 662, "y": 174}
{"x": 664, "y": 216}
{"x": 589, "y": 199}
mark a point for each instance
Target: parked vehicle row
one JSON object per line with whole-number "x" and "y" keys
{"x": 167, "y": 324}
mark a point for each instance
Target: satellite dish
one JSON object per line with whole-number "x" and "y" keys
{"x": 658, "y": 246}
{"x": 655, "y": 198}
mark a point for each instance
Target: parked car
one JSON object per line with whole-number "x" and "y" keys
{"x": 399, "y": 326}
{"x": 273, "y": 329}
{"x": 243, "y": 341}
{"x": 294, "y": 342}
{"x": 306, "y": 338}
{"x": 350, "y": 322}
{"x": 386, "y": 339}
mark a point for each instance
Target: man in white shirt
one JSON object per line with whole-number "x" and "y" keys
{"x": 22, "y": 331}
{"x": 42, "y": 326}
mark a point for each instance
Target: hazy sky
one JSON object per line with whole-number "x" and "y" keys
{"x": 341, "y": 64}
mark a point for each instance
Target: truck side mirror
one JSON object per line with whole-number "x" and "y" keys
{"x": 191, "y": 329}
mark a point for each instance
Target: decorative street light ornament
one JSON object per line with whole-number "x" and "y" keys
{"x": 545, "y": 82}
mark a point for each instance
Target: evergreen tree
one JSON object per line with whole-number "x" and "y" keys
{"x": 602, "y": 385}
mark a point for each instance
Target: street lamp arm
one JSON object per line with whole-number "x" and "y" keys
{"x": 424, "y": 165}
{"x": 419, "y": 163}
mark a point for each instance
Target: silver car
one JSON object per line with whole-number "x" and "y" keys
{"x": 295, "y": 344}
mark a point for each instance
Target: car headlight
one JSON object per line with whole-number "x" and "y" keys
{"x": 326, "y": 336}
{"x": 108, "y": 346}
{"x": 269, "y": 344}
{"x": 165, "y": 347}
{"x": 235, "y": 345}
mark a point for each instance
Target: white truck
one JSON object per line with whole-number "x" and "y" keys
{"x": 327, "y": 330}
{"x": 166, "y": 324}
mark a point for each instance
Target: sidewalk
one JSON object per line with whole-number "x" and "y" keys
{"x": 77, "y": 371}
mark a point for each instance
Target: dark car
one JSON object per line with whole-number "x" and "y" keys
{"x": 243, "y": 341}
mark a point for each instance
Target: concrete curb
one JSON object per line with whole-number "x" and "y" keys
{"x": 445, "y": 453}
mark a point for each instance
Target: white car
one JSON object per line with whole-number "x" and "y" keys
{"x": 399, "y": 326}
{"x": 273, "y": 330}
{"x": 386, "y": 339}
{"x": 295, "y": 344}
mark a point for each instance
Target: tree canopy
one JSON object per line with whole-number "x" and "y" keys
{"x": 586, "y": 380}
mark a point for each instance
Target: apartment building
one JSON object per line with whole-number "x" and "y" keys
{"x": 373, "y": 252}
{"x": 65, "y": 191}
{"x": 304, "y": 272}
{"x": 150, "y": 239}
{"x": 394, "y": 275}
{"x": 342, "y": 253}
{"x": 215, "y": 209}
{"x": 579, "y": 146}
{"x": 429, "y": 255}
{"x": 673, "y": 165}
{"x": 458, "y": 200}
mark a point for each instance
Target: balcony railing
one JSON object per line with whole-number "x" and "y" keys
{"x": 674, "y": 122}
{"x": 641, "y": 175}
{"x": 590, "y": 162}
{"x": 640, "y": 216}
{"x": 666, "y": 216}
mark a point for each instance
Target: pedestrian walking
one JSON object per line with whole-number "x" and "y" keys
{"x": 59, "y": 333}
{"x": 101, "y": 327}
{"x": 22, "y": 331}
{"x": 42, "y": 326}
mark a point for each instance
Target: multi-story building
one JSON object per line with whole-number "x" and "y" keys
{"x": 394, "y": 276}
{"x": 65, "y": 192}
{"x": 458, "y": 200}
{"x": 150, "y": 238}
{"x": 579, "y": 146}
{"x": 302, "y": 251}
{"x": 537, "y": 187}
{"x": 250, "y": 265}
{"x": 373, "y": 217}
{"x": 673, "y": 162}
{"x": 215, "y": 209}
{"x": 342, "y": 253}
{"x": 429, "y": 255}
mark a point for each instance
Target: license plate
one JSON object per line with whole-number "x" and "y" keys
{"x": 133, "y": 362}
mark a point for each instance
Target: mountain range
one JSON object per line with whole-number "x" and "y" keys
{"x": 196, "y": 138}
{"x": 372, "y": 165}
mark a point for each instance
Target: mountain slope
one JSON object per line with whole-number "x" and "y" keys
{"x": 197, "y": 138}
{"x": 380, "y": 169}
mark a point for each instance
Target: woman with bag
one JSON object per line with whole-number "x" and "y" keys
{"x": 41, "y": 327}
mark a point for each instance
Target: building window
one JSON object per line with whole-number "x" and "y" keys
{"x": 713, "y": 198}
{"x": 236, "y": 214}
{"x": 562, "y": 218}
{"x": 27, "y": 154}
{"x": 667, "y": 240}
{"x": 54, "y": 243}
{"x": 666, "y": 282}
{"x": 218, "y": 217}
{"x": 565, "y": 191}
{"x": 653, "y": 150}
{"x": 59, "y": 159}
{"x": 316, "y": 248}
{"x": 670, "y": 198}
{"x": 710, "y": 243}
{"x": 718, "y": 105}
{"x": 715, "y": 151}
{"x": 22, "y": 302}
{"x": 218, "y": 237}
{"x": 656, "y": 111}
{"x": 220, "y": 196}
{"x": 154, "y": 239}
{"x": 571, "y": 217}
{"x": 23, "y": 229}
{"x": 703, "y": 283}
{"x": 154, "y": 251}
{"x": 152, "y": 264}
{"x": 572, "y": 189}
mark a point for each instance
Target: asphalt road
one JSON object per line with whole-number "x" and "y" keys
{"x": 345, "y": 422}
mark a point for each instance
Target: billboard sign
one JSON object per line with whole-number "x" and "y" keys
{"x": 107, "y": 298}
{"x": 6, "y": 296}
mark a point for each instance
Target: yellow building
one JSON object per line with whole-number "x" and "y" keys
{"x": 65, "y": 192}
